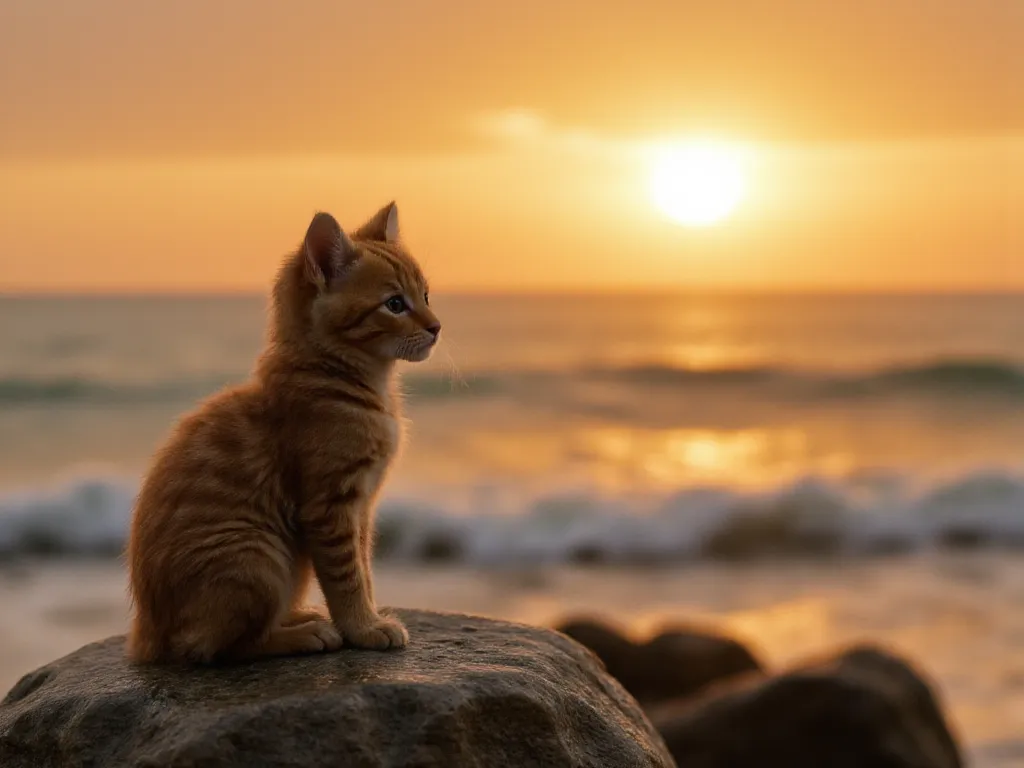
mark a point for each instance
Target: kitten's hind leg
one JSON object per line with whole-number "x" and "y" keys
{"x": 303, "y": 615}
{"x": 318, "y": 636}
{"x": 247, "y": 612}
{"x": 299, "y": 612}
{"x": 222, "y": 616}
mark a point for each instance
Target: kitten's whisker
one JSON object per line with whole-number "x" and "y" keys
{"x": 455, "y": 375}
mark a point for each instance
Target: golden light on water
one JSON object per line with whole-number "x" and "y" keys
{"x": 698, "y": 183}
{"x": 671, "y": 458}
{"x": 786, "y": 630}
{"x": 705, "y": 452}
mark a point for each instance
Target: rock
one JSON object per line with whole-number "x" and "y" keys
{"x": 752, "y": 536}
{"x": 466, "y": 692}
{"x": 683, "y": 662}
{"x": 676, "y": 663}
{"x": 588, "y": 554}
{"x": 906, "y": 684}
{"x": 863, "y": 707}
{"x": 963, "y": 537}
{"x": 441, "y": 547}
{"x": 613, "y": 649}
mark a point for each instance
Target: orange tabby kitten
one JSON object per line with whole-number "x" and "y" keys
{"x": 274, "y": 481}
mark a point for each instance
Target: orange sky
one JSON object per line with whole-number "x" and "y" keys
{"x": 183, "y": 146}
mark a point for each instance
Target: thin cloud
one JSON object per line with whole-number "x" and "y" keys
{"x": 524, "y": 127}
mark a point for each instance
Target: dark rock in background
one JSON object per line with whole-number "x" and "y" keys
{"x": 678, "y": 662}
{"x": 717, "y": 708}
{"x": 860, "y": 708}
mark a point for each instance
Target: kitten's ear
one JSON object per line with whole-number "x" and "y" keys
{"x": 383, "y": 226}
{"x": 328, "y": 250}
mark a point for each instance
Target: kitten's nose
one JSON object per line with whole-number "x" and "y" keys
{"x": 435, "y": 329}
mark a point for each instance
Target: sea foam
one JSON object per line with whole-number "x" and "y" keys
{"x": 811, "y": 517}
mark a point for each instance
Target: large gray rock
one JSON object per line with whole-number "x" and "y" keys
{"x": 466, "y": 692}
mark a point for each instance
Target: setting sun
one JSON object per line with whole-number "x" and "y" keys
{"x": 697, "y": 184}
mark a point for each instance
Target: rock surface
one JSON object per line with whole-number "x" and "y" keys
{"x": 863, "y": 707}
{"x": 466, "y": 692}
{"x": 678, "y": 662}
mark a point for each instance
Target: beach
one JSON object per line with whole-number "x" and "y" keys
{"x": 801, "y": 472}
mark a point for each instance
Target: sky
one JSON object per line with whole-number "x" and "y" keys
{"x": 184, "y": 146}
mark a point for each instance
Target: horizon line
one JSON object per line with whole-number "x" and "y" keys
{"x": 582, "y": 291}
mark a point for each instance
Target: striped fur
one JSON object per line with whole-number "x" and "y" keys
{"x": 269, "y": 484}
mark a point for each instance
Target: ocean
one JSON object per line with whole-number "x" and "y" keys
{"x": 804, "y": 470}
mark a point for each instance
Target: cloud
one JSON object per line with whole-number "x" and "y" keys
{"x": 515, "y": 124}
{"x": 528, "y": 128}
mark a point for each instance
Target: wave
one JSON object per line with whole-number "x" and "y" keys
{"x": 813, "y": 517}
{"x": 946, "y": 378}
{"x": 964, "y": 378}
{"x": 70, "y": 390}
{"x": 949, "y": 377}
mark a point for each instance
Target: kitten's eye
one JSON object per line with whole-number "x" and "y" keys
{"x": 426, "y": 299}
{"x": 396, "y": 305}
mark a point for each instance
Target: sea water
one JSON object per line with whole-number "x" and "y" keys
{"x": 679, "y": 455}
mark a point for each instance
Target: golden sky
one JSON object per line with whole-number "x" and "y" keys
{"x": 184, "y": 146}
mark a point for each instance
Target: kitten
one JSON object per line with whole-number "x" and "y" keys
{"x": 274, "y": 481}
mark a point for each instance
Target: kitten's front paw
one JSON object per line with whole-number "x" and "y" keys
{"x": 382, "y": 633}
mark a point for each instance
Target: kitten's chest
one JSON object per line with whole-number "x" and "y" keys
{"x": 363, "y": 448}
{"x": 365, "y": 459}
{"x": 389, "y": 444}
{"x": 391, "y": 426}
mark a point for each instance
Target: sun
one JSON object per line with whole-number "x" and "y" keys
{"x": 697, "y": 183}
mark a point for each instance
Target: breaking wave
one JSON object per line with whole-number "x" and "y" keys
{"x": 812, "y": 517}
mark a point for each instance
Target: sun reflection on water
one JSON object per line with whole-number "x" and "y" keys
{"x": 672, "y": 458}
